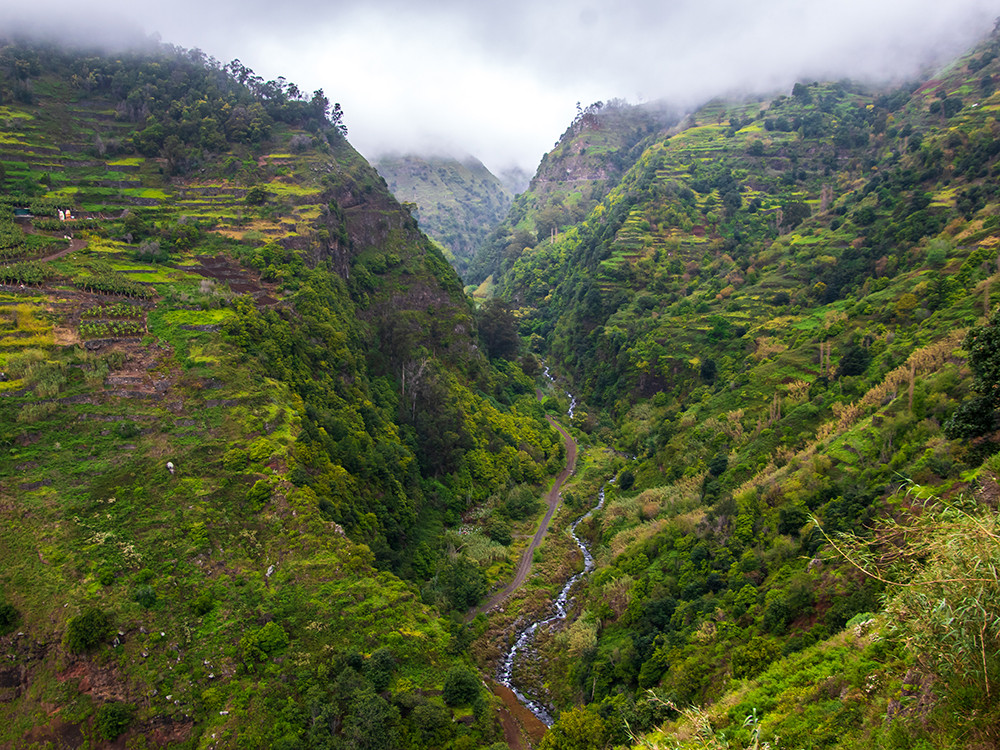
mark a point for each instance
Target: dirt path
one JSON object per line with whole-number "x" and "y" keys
{"x": 514, "y": 717}
{"x": 74, "y": 245}
{"x": 552, "y": 500}
{"x": 521, "y": 728}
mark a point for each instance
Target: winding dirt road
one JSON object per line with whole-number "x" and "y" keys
{"x": 514, "y": 717}
{"x": 552, "y": 500}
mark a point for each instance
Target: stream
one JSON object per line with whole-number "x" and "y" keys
{"x": 523, "y": 640}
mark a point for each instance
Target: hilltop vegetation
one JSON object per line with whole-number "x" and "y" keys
{"x": 245, "y": 413}
{"x": 765, "y": 316}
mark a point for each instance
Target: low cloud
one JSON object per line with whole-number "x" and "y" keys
{"x": 501, "y": 80}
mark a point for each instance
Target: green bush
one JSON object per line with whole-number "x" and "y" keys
{"x": 112, "y": 720}
{"x": 126, "y": 429}
{"x": 499, "y": 531}
{"x": 521, "y": 503}
{"x": 258, "y": 644}
{"x": 461, "y": 686}
{"x": 260, "y": 450}
{"x": 753, "y": 658}
{"x": 144, "y": 576}
{"x": 259, "y": 494}
{"x": 235, "y": 459}
{"x": 9, "y": 618}
{"x": 145, "y": 596}
{"x": 84, "y": 632}
{"x": 202, "y": 604}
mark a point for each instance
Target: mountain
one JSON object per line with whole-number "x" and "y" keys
{"x": 245, "y": 411}
{"x": 777, "y": 319}
{"x": 458, "y": 201}
{"x": 600, "y": 144}
{"x": 263, "y": 459}
{"x": 515, "y": 179}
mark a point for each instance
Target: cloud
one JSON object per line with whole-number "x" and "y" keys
{"x": 501, "y": 79}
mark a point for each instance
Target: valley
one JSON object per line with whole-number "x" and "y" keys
{"x": 279, "y": 471}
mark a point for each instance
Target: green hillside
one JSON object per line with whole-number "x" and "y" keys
{"x": 766, "y": 318}
{"x": 458, "y": 201}
{"x": 264, "y": 461}
{"x": 589, "y": 159}
{"x": 245, "y": 415}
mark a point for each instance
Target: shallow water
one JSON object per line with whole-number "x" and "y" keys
{"x": 522, "y": 643}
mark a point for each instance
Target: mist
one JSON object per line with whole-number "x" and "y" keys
{"x": 501, "y": 81}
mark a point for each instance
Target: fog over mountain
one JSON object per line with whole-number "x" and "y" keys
{"x": 501, "y": 80}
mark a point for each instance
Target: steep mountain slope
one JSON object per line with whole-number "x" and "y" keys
{"x": 458, "y": 201}
{"x": 768, "y": 312}
{"x": 600, "y": 144}
{"x": 240, "y": 393}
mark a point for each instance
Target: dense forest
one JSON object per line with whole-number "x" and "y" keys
{"x": 265, "y": 462}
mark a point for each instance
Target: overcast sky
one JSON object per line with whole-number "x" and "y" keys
{"x": 501, "y": 80}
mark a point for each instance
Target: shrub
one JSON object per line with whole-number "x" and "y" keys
{"x": 235, "y": 459}
{"x": 943, "y": 597}
{"x": 521, "y": 503}
{"x": 145, "y": 596}
{"x": 259, "y": 494}
{"x": 258, "y": 644}
{"x": 112, "y": 720}
{"x": 461, "y": 686}
{"x": 9, "y": 618}
{"x": 144, "y": 576}
{"x": 499, "y": 531}
{"x": 202, "y": 604}
{"x": 84, "y": 632}
{"x": 126, "y": 429}
{"x": 753, "y": 658}
{"x": 260, "y": 451}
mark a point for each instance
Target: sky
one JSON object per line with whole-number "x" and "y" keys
{"x": 501, "y": 80}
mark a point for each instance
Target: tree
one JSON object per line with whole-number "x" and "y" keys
{"x": 373, "y": 722}
{"x": 855, "y": 361}
{"x": 801, "y": 92}
{"x": 256, "y": 196}
{"x": 498, "y": 330}
{"x": 709, "y": 371}
{"x": 461, "y": 686}
{"x": 86, "y": 631}
{"x": 577, "y": 729}
{"x": 977, "y": 416}
{"x": 379, "y": 667}
{"x": 794, "y": 213}
{"x": 463, "y": 583}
